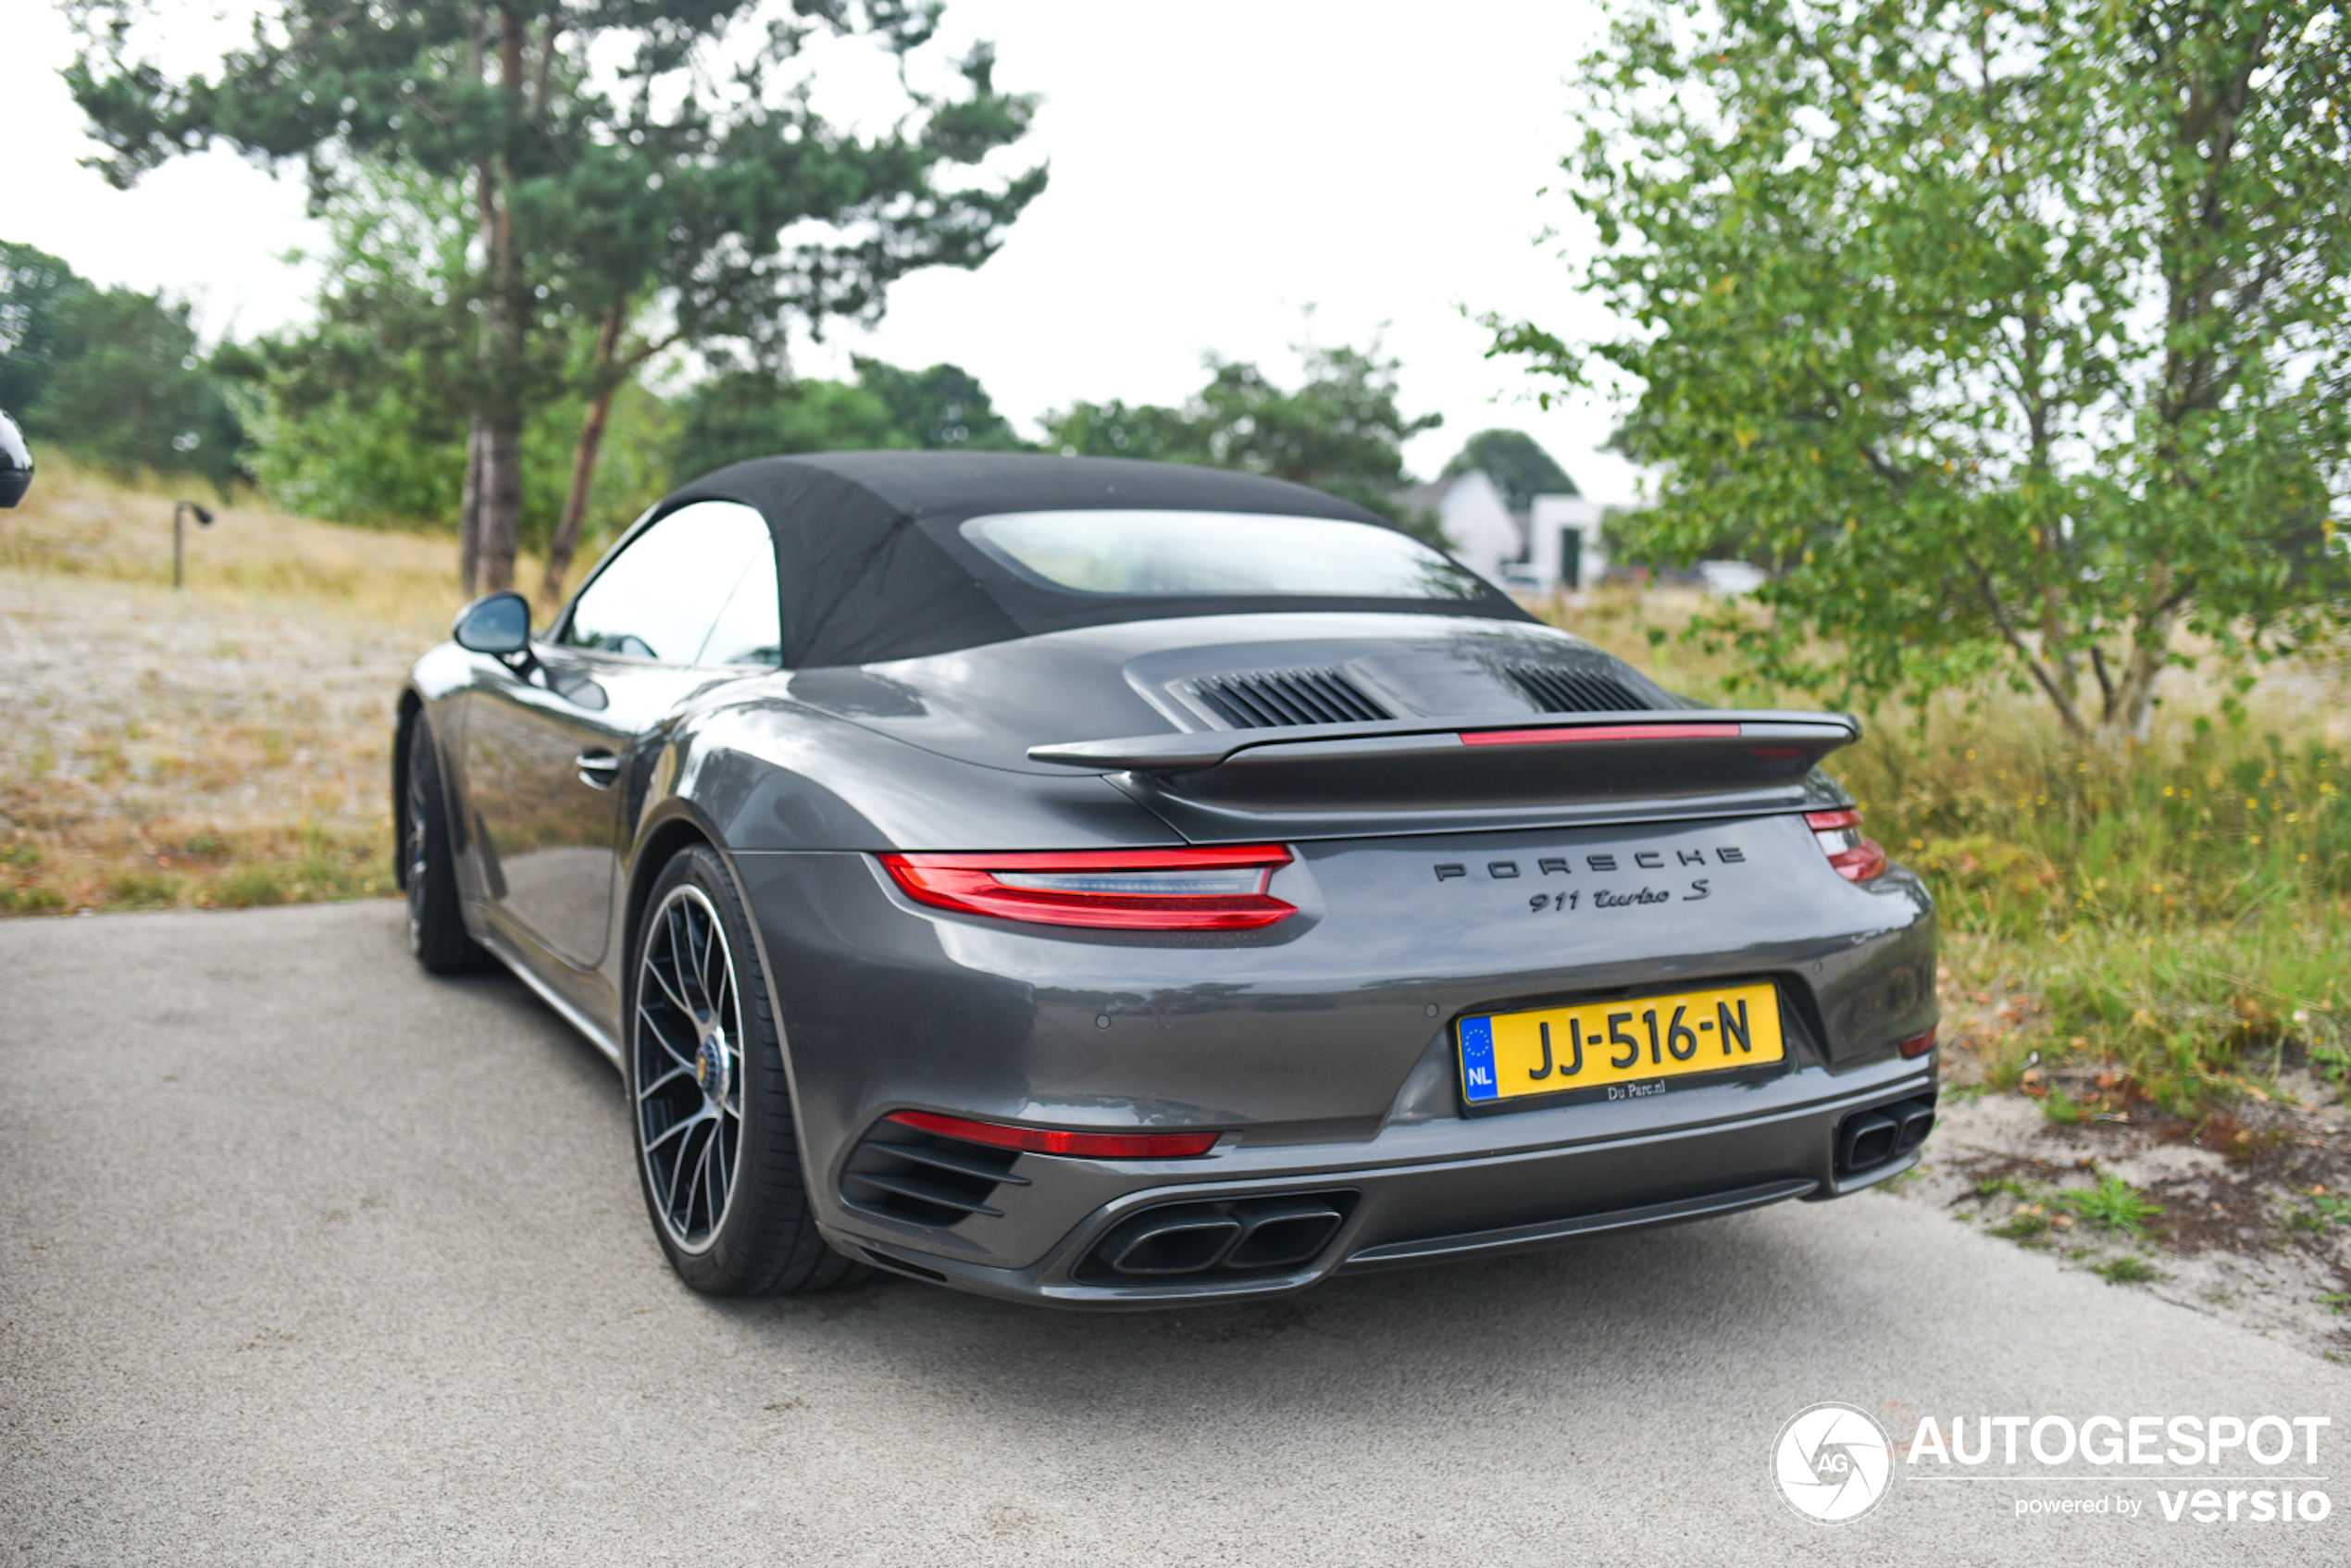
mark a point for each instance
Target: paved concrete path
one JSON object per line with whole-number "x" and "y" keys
{"x": 307, "y": 1258}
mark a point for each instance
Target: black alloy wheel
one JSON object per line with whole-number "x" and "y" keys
{"x": 428, "y": 868}
{"x": 718, "y": 1155}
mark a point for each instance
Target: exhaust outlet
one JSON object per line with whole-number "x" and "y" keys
{"x": 1182, "y": 1240}
{"x": 1227, "y": 1237}
{"x": 1281, "y": 1232}
{"x": 1866, "y": 1138}
{"x": 1917, "y": 1121}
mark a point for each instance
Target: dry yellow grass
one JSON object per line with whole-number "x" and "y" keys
{"x": 79, "y": 523}
{"x": 227, "y": 744}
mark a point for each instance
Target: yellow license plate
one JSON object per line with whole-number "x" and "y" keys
{"x": 1607, "y": 1044}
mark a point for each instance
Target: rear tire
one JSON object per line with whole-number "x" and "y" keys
{"x": 429, "y": 869}
{"x": 710, "y": 1109}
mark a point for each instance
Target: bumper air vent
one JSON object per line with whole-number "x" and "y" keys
{"x": 1867, "y": 1140}
{"x": 1271, "y": 699}
{"x": 1231, "y": 1240}
{"x": 1556, "y": 690}
{"x": 924, "y": 1179}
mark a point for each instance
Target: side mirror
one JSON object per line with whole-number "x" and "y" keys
{"x": 16, "y": 463}
{"x": 497, "y": 623}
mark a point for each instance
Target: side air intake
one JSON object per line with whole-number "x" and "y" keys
{"x": 1271, "y": 699}
{"x": 1556, "y": 690}
{"x": 908, "y": 1174}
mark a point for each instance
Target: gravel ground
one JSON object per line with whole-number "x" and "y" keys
{"x": 168, "y": 748}
{"x": 2243, "y": 1233}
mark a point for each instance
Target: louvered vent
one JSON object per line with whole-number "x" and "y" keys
{"x": 1271, "y": 699}
{"x": 1556, "y": 690}
{"x": 912, "y": 1174}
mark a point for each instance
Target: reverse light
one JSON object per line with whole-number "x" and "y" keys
{"x": 1856, "y": 857}
{"x": 1054, "y": 1140}
{"x": 1218, "y": 887}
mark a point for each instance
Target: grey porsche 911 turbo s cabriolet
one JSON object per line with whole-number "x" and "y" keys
{"x": 1117, "y": 884}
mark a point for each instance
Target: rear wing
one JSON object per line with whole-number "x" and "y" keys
{"x": 1420, "y": 763}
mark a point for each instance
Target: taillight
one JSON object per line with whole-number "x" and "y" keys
{"x": 1857, "y": 858}
{"x": 1054, "y": 1140}
{"x": 1919, "y": 1045}
{"x": 1211, "y": 889}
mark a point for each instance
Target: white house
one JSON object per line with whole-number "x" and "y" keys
{"x": 1553, "y": 545}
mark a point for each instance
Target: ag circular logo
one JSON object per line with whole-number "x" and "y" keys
{"x": 1833, "y": 1463}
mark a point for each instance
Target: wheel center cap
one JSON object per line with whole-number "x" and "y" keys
{"x": 710, "y": 1065}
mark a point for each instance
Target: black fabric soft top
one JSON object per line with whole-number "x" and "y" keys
{"x": 874, "y": 567}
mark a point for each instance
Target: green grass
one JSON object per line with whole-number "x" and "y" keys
{"x": 2128, "y": 1269}
{"x": 2325, "y": 1213}
{"x": 2177, "y": 909}
{"x": 2114, "y": 1204}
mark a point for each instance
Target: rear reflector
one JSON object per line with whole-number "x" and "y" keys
{"x": 1554, "y": 734}
{"x": 1214, "y": 888}
{"x": 1919, "y": 1045}
{"x": 1856, "y": 858}
{"x": 1053, "y": 1141}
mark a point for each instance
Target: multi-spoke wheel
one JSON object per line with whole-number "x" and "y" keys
{"x": 716, "y": 1149}
{"x": 428, "y": 870}
{"x": 688, "y": 1067}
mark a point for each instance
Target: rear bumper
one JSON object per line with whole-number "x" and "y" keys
{"x": 1406, "y": 1213}
{"x": 1322, "y": 1052}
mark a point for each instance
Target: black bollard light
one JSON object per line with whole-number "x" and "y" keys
{"x": 180, "y": 511}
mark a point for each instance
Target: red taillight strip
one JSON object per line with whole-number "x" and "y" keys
{"x": 1862, "y": 859}
{"x": 1919, "y": 1045}
{"x": 1054, "y": 1140}
{"x": 968, "y": 885}
{"x": 1601, "y": 732}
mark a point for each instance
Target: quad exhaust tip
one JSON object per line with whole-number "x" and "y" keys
{"x": 1867, "y": 1140}
{"x": 1251, "y": 1236}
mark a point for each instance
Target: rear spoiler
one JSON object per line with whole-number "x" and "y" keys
{"x": 1421, "y": 762}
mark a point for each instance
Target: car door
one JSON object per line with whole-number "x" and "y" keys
{"x": 546, "y": 744}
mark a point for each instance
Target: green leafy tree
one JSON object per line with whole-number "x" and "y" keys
{"x": 33, "y": 284}
{"x": 641, "y": 177}
{"x": 943, "y": 408}
{"x": 2011, "y": 338}
{"x": 127, "y": 388}
{"x": 356, "y": 425}
{"x": 741, "y": 414}
{"x": 1517, "y": 464}
{"x": 1341, "y": 431}
{"x": 745, "y": 414}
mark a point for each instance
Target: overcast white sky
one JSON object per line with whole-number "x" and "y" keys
{"x": 1218, "y": 167}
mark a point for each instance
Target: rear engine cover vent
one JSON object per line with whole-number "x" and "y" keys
{"x": 923, "y": 1177}
{"x": 1556, "y": 690}
{"x": 1270, "y": 699}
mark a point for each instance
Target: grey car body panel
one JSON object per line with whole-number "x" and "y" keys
{"x": 1313, "y": 1041}
{"x": 1322, "y": 1047}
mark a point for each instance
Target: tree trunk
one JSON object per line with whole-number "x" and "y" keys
{"x": 2131, "y": 713}
{"x": 583, "y": 462}
{"x": 469, "y": 516}
{"x": 500, "y": 412}
{"x": 501, "y": 501}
